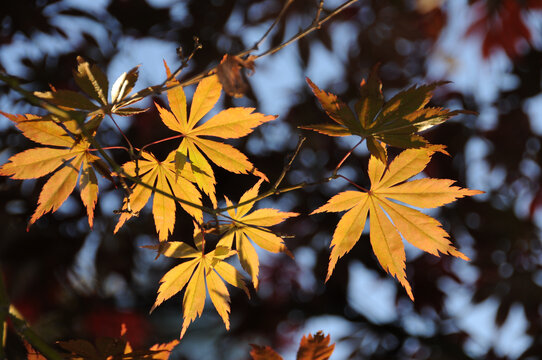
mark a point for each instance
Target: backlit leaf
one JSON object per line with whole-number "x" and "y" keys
{"x": 68, "y": 157}
{"x": 92, "y": 80}
{"x": 263, "y": 353}
{"x": 315, "y": 347}
{"x": 395, "y": 122}
{"x": 161, "y": 179}
{"x": 391, "y": 222}
{"x": 203, "y": 271}
{"x": 246, "y": 228}
{"x": 230, "y": 123}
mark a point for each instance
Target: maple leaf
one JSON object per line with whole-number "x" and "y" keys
{"x": 163, "y": 350}
{"x": 202, "y": 269}
{"x": 231, "y": 123}
{"x": 161, "y": 180}
{"x": 246, "y": 227}
{"x": 157, "y": 351}
{"x": 312, "y": 347}
{"x": 390, "y": 220}
{"x": 66, "y": 151}
{"x": 394, "y": 122}
{"x": 93, "y": 82}
{"x": 315, "y": 347}
{"x": 230, "y": 75}
{"x": 263, "y": 353}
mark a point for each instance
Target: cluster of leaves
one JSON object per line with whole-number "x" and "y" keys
{"x": 186, "y": 178}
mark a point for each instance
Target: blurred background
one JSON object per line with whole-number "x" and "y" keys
{"x": 72, "y": 282}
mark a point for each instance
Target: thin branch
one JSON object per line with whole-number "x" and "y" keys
{"x": 314, "y": 26}
{"x": 289, "y": 163}
{"x": 256, "y": 46}
{"x": 185, "y": 61}
{"x": 259, "y": 227}
{"x": 273, "y": 190}
{"x": 154, "y": 90}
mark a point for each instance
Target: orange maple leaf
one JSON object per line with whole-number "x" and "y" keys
{"x": 67, "y": 155}
{"x": 312, "y": 347}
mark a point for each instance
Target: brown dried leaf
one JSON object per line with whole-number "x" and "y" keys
{"x": 230, "y": 75}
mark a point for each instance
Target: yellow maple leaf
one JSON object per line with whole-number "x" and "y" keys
{"x": 390, "y": 220}
{"x": 245, "y": 227}
{"x": 203, "y": 268}
{"x": 231, "y": 123}
{"x": 161, "y": 180}
{"x": 66, "y": 154}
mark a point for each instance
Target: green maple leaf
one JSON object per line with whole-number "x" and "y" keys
{"x": 395, "y": 122}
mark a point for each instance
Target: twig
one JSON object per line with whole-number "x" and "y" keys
{"x": 196, "y": 78}
{"x": 264, "y": 36}
{"x": 319, "y": 11}
{"x": 289, "y": 163}
{"x": 314, "y": 26}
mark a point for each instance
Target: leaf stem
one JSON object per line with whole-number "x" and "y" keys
{"x": 131, "y": 147}
{"x": 112, "y": 148}
{"x": 161, "y": 141}
{"x": 346, "y": 157}
{"x": 352, "y": 183}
